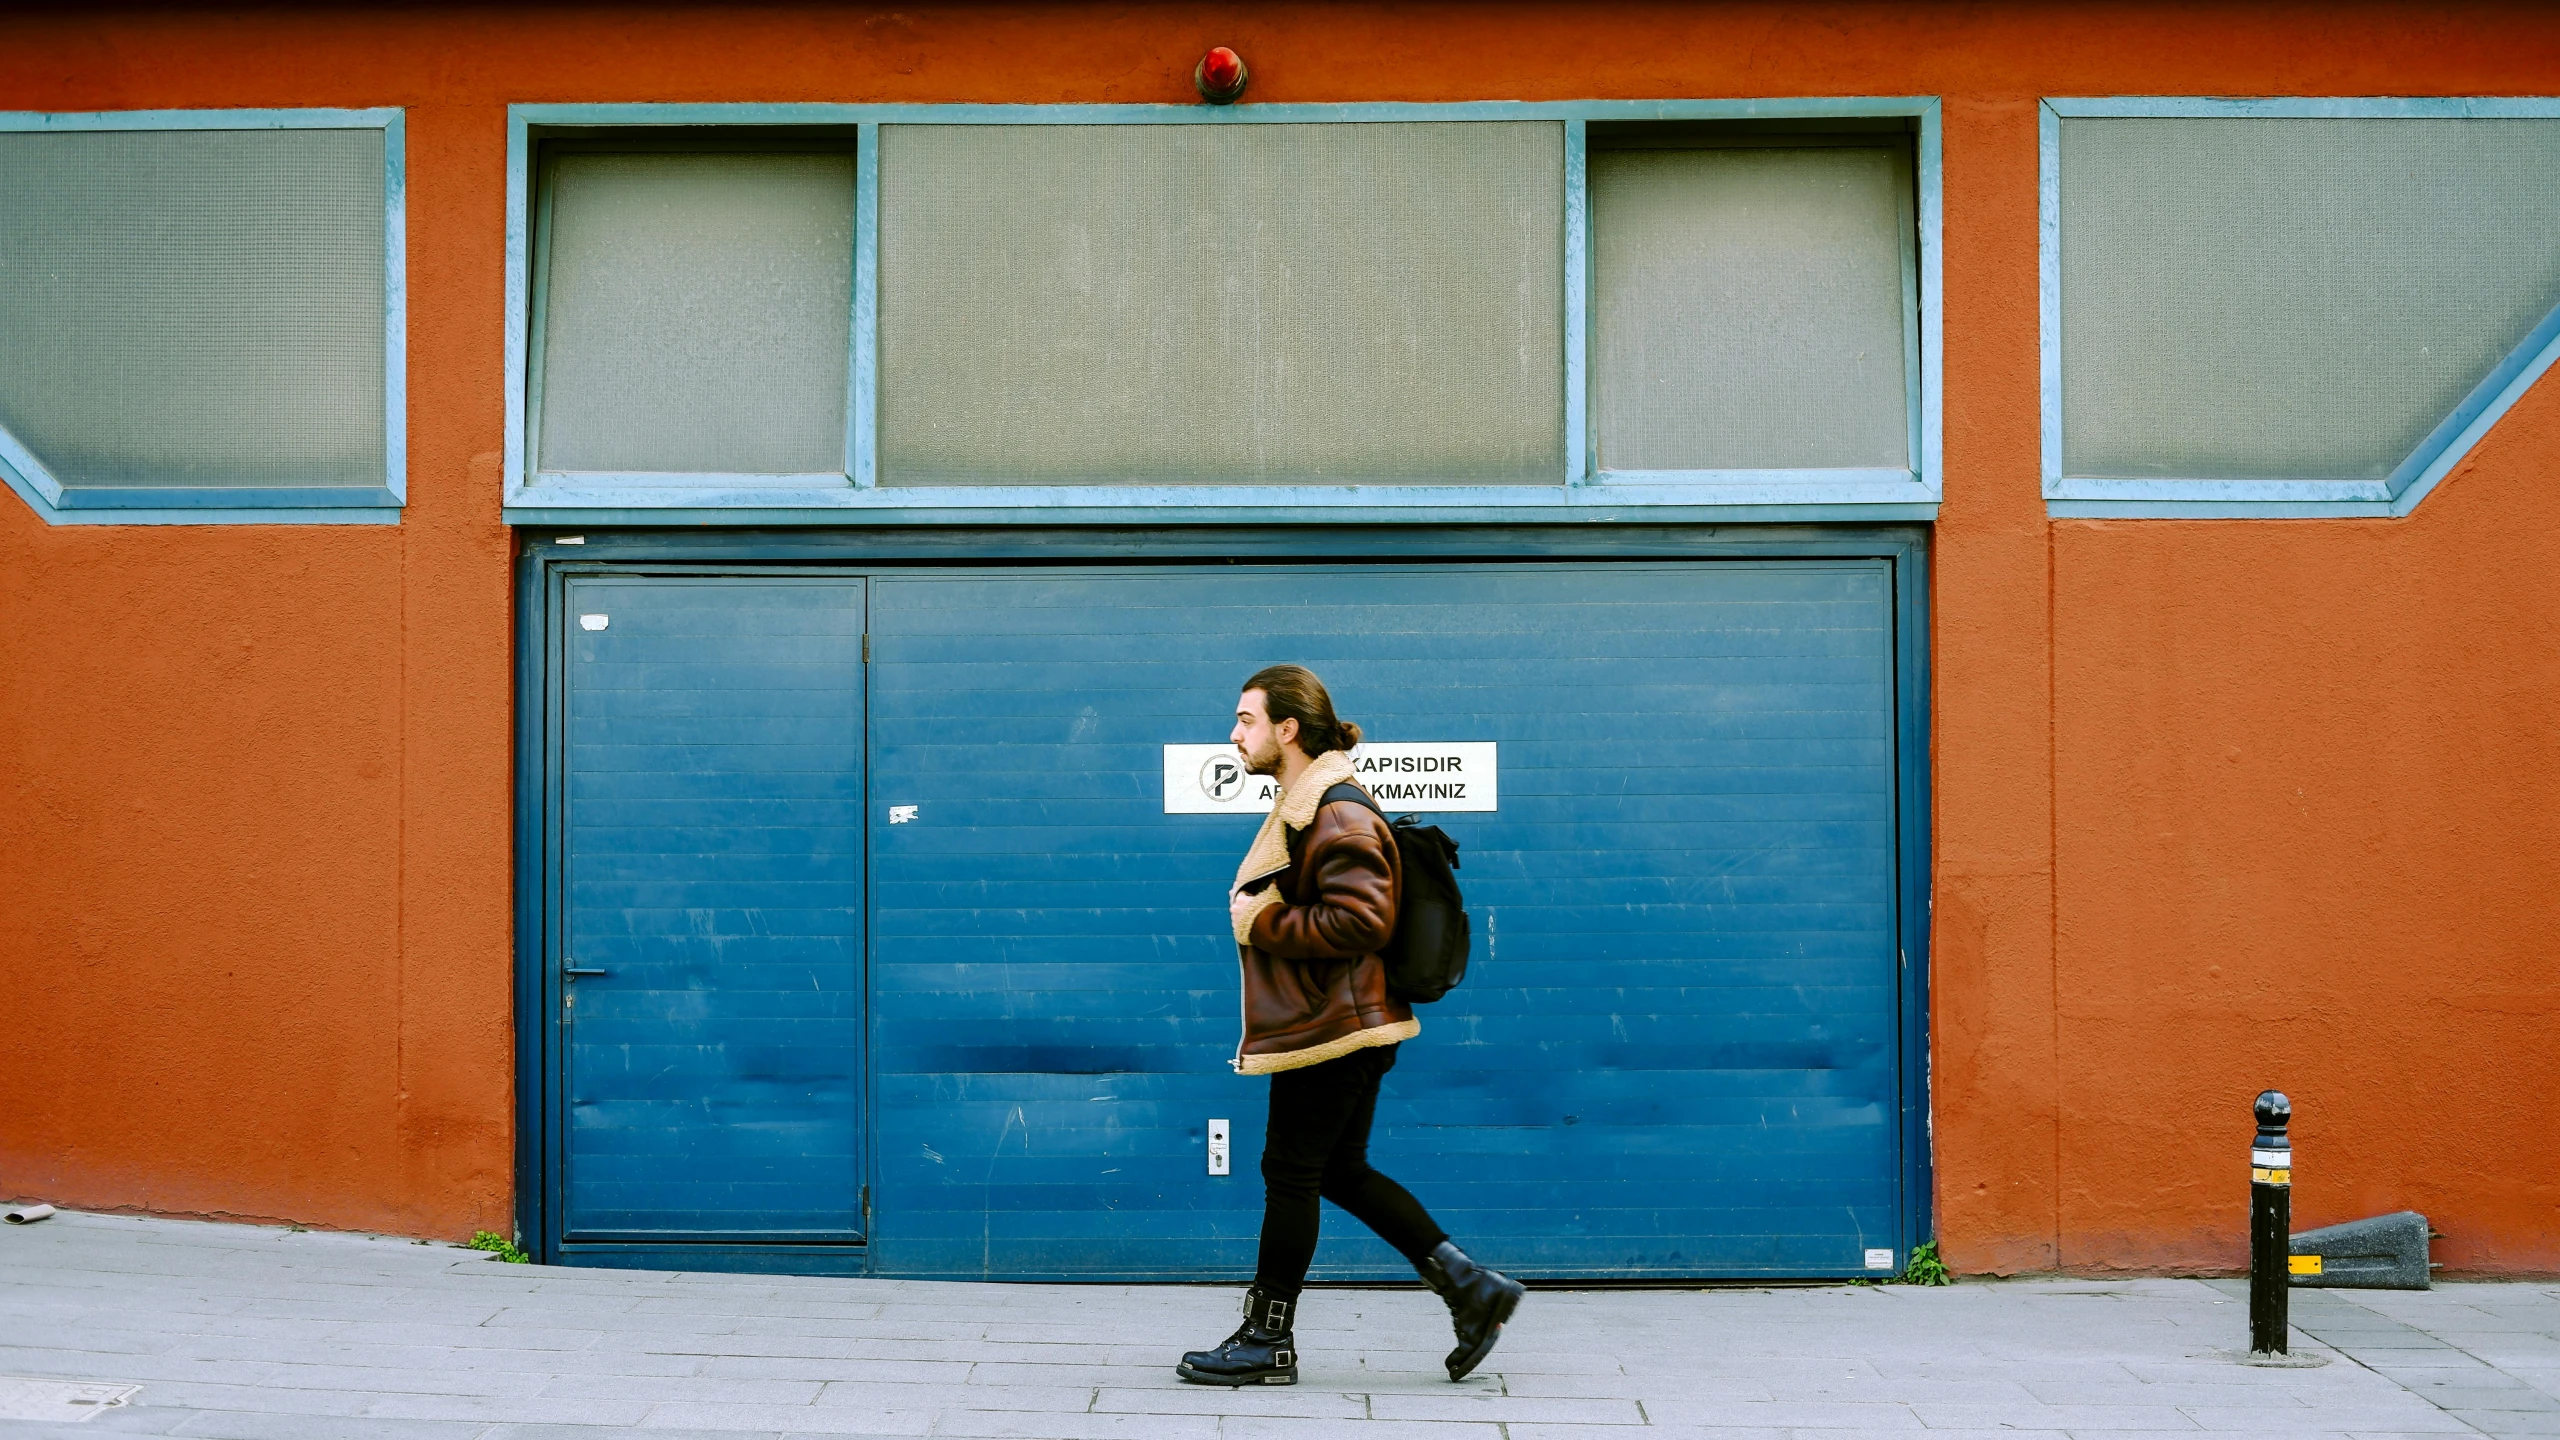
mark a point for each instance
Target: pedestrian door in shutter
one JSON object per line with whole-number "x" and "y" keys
{"x": 709, "y": 893}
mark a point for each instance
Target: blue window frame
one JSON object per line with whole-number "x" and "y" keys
{"x": 141, "y": 500}
{"x": 1581, "y": 491}
{"x": 2196, "y": 496}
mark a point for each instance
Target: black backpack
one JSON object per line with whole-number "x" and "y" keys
{"x": 1427, "y": 956}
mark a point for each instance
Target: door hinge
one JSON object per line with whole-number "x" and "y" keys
{"x": 866, "y": 647}
{"x": 866, "y": 1207}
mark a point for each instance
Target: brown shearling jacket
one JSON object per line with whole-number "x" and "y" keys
{"x": 1314, "y": 987}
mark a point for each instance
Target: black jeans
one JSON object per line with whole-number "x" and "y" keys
{"x": 1317, "y": 1144}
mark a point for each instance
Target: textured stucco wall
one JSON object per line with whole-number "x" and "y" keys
{"x": 2218, "y": 804}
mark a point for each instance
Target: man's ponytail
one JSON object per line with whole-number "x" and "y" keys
{"x": 1292, "y": 692}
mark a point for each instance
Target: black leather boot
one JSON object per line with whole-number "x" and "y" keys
{"x": 1479, "y": 1301}
{"x": 1261, "y": 1352}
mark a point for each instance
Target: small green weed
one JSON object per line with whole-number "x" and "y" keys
{"x": 1925, "y": 1267}
{"x": 508, "y": 1251}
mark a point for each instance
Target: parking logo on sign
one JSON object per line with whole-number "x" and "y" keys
{"x": 1222, "y": 777}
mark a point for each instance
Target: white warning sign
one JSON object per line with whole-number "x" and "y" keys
{"x": 1403, "y": 776}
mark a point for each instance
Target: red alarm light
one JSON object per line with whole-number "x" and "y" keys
{"x": 1220, "y": 76}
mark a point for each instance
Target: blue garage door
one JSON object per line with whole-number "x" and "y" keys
{"x": 710, "y": 1038}
{"x": 1676, "y": 1054}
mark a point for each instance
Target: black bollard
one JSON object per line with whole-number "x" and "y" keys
{"x": 2270, "y": 1225}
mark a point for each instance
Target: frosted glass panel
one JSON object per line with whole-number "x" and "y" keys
{"x": 194, "y": 308}
{"x": 698, "y": 312}
{"x": 2292, "y": 299}
{"x": 1169, "y": 304}
{"x": 1751, "y": 311}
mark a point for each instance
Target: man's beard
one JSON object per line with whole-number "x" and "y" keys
{"x": 1263, "y": 762}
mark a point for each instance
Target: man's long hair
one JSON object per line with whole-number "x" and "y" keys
{"x": 1292, "y": 692}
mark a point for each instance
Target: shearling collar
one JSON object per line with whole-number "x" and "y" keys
{"x": 1269, "y": 854}
{"x": 1297, "y": 807}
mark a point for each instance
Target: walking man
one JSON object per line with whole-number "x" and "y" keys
{"x": 1313, "y": 904}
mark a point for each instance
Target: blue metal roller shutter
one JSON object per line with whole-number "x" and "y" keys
{"x": 1676, "y": 1054}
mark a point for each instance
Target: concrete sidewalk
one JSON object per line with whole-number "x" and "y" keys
{"x": 248, "y": 1332}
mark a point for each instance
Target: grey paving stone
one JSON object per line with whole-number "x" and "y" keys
{"x": 513, "y": 1431}
{"x": 1902, "y": 1392}
{"x": 127, "y": 1421}
{"x": 702, "y": 1307}
{"x": 1530, "y": 1430}
{"x": 2216, "y": 1366}
{"x": 839, "y": 1394}
{"x": 1299, "y": 1402}
{"x": 1682, "y": 1386}
{"x": 790, "y": 1419}
{"x": 581, "y": 1362}
{"x": 1070, "y": 1372}
{"x": 191, "y": 1396}
{"x": 383, "y": 1381}
{"x": 1256, "y": 1427}
{"x": 87, "y": 1365}
{"x": 490, "y": 1409}
{"x": 2508, "y": 1350}
{"x": 1787, "y": 1414}
{"x": 2508, "y": 1422}
{"x": 776, "y": 1347}
{"x": 869, "y": 1370}
{"x": 332, "y": 1352}
{"x": 1979, "y": 1369}
{"x": 263, "y": 1332}
{"x": 2490, "y": 1397}
{"x": 1009, "y": 1424}
{"x": 466, "y": 1337}
{"x": 1453, "y": 1404}
{"x": 680, "y": 1387}
{"x": 244, "y": 1425}
{"x": 2235, "y": 1393}
{"x": 2014, "y": 1434}
{"x": 897, "y": 1364}
{"x": 2110, "y": 1419}
{"x": 2420, "y": 1419}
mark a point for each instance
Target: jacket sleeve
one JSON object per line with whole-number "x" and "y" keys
{"x": 1352, "y": 910}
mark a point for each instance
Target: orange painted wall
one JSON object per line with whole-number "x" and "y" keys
{"x": 2218, "y": 804}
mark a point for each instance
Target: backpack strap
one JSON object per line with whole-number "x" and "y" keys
{"x": 1346, "y": 790}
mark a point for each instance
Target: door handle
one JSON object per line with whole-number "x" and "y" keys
{"x": 573, "y": 972}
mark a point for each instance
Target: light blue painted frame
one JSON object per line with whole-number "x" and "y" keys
{"x": 251, "y": 505}
{"x": 2390, "y": 498}
{"x": 1583, "y": 491}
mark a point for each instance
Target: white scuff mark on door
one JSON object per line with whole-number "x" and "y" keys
{"x": 986, "y": 1201}
{"x": 594, "y": 622}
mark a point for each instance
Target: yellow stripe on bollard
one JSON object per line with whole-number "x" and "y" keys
{"x": 2264, "y": 1176}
